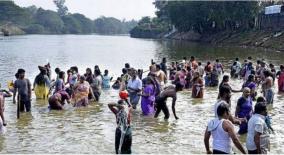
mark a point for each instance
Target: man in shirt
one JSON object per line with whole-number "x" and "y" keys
{"x": 258, "y": 134}
{"x": 23, "y": 87}
{"x": 134, "y": 87}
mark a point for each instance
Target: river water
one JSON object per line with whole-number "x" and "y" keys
{"x": 91, "y": 129}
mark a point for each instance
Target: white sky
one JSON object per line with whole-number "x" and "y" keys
{"x": 128, "y": 9}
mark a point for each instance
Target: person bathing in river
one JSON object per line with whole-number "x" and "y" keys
{"x": 280, "y": 76}
{"x": 225, "y": 82}
{"x": 267, "y": 87}
{"x": 57, "y": 100}
{"x": 123, "y": 132}
{"x": 250, "y": 83}
{"x": 244, "y": 110}
{"x": 134, "y": 87}
{"x": 222, "y": 131}
{"x": 59, "y": 83}
{"x": 117, "y": 84}
{"x": 106, "y": 80}
{"x": 22, "y": 86}
{"x": 41, "y": 84}
{"x": 148, "y": 97}
{"x": 81, "y": 92}
{"x": 219, "y": 67}
{"x": 161, "y": 100}
{"x": 3, "y": 94}
{"x": 197, "y": 86}
{"x": 161, "y": 76}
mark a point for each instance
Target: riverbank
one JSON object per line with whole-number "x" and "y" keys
{"x": 271, "y": 40}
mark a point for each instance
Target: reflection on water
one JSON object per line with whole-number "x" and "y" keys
{"x": 91, "y": 130}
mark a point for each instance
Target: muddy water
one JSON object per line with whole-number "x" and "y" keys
{"x": 91, "y": 129}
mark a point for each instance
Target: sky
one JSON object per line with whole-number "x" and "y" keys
{"x": 121, "y": 9}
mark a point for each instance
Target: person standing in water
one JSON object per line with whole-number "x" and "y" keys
{"x": 244, "y": 110}
{"x": 22, "y": 86}
{"x": 161, "y": 100}
{"x": 222, "y": 131}
{"x": 267, "y": 87}
{"x": 3, "y": 94}
{"x": 106, "y": 80}
{"x": 134, "y": 87}
{"x": 123, "y": 132}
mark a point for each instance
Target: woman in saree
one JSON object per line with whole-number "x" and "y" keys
{"x": 81, "y": 92}
{"x": 148, "y": 97}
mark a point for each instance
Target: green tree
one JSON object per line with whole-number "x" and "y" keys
{"x": 50, "y": 20}
{"x": 62, "y": 10}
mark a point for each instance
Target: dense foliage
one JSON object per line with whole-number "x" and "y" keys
{"x": 35, "y": 20}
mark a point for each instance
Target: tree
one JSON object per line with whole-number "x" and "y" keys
{"x": 62, "y": 10}
{"x": 50, "y": 20}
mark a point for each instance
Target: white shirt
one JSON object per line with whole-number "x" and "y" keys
{"x": 257, "y": 124}
{"x": 135, "y": 84}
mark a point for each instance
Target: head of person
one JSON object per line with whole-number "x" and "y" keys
{"x": 260, "y": 99}
{"x": 122, "y": 103}
{"x": 118, "y": 79}
{"x": 124, "y": 71}
{"x": 179, "y": 86}
{"x": 69, "y": 72}
{"x": 42, "y": 69}
{"x": 192, "y": 58}
{"x": 158, "y": 67}
{"x": 17, "y": 75}
{"x": 82, "y": 79}
{"x": 21, "y": 72}
{"x": 258, "y": 61}
{"x": 282, "y": 67}
{"x": 246, "y": 92}
{"x": 260, "y": 108}
{"x": 217, "y": 60}
{"x": 199, "y": 63}
{"x": 245, "y": 61}
{"x": 75, "y": 69}
{"x": 61, "y": 74}
{"x": 223, "y": 111}
{"x": 178, "y": 68}
{"x": 57, "y": 70}
{"x": 262, "y": 64}
{"x": 235, "y": 63}
{"x": 226, "y": 78}
{"x": 173, "y": 63}
{"x": 185, "y": 58}
{"x": 127, "y": 65}
{"x": 164, "y": 60}
{"x": 271, "y": 65}
{"x": 196, "y": 75}
{"x": 237, "y": 59}
{"x": 249, "y": 58}
{"x": 188, "y": 68}
{"x": 208, "y": 63}
{"x": 106, "y": 72}
{"x": 251, "y": 78}
{"x": 225, "y": 93}
{"x": 149, "y": 80}
{"x": 266, "y": 73}
{"x": 88, "y": 71}
{"x": 183, "y": 70}
{"x": 97, "y": 72}
{"x": 250, "y": 64}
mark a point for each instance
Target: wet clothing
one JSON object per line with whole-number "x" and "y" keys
{"x": 81, "y": 93}
{"x": 221, "y": 139}
{"x": 59, "y": 85}
{"x": 41, "y": 86}
{"x": 106, "y": 81}
{"x": 269, "y": 95}
{"x": 96, "y": 87}
{"x": 281, "y": 81}
{"x": 23, "y": 86}
{"x": 245, "y": 105}
{"x": 197, "y": 88}
{"x": 147, "y": 103}
{"x": 133, "y": 94}
{"x": 57, "y": 100}
{"x": 257, "y": 124}
{"x": 123, "y": 133}
{"x": 161, "y": 104}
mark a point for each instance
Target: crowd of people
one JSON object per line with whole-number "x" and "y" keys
{"x": 153, "y": 90}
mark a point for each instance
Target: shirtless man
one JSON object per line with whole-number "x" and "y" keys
{"x": 161, "y": 76}
{"x": 161, "y": 100}
{"x": 267, "y": 87}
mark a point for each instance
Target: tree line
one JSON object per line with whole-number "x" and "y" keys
{"x": 35, "y": 20}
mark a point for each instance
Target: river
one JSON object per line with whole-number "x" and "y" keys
{"x": 91, "y": 129}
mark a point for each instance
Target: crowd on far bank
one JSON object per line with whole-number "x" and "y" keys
{"x": 163, "y": 81}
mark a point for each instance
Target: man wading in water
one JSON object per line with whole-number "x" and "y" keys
{"x": 123, "y": 133}
{"x": 161, "y": 100}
